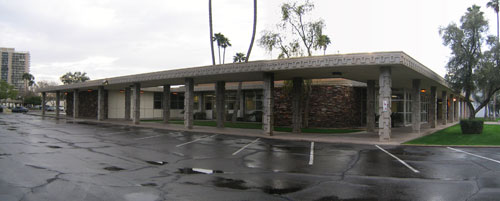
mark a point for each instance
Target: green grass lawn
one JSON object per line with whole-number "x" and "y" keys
{"x": 453, "y": 136}
{"x": 252, "y": 125}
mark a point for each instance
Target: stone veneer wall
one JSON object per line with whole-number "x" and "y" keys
{"x": 87, "y": 105}
{"x": 331, "y": 107}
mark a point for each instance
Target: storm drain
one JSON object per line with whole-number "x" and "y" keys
{"x": 198, "y": 171}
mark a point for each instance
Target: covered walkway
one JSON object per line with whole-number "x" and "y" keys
{"x": 423, "y": 97}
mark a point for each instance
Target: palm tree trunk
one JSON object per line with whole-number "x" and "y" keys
{"x": 498, "y": 61}
{"x": 219, "y": 55}
{"x": 211, "y": 30}
{"x": 254, "y": 28}
{"x": 224, "y": 57}
{"x": 237, "y": 103}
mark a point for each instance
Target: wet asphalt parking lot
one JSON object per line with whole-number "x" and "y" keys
{"x": 48, "y": 159}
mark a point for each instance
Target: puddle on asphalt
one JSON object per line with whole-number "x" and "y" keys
{"x": 53, "y": 147}
{"x": 198, "y": 171}
{"x": 157, "y": 162}
{"x": 280, "y": 191}
{"x": 230, "y": 183}
{"x": 42, "y": 142}
{"x": 113, "y": 168}
{"x": 2, "y": 154}
{"x": 12, "y": 128}
{"x": 149, "y": 184}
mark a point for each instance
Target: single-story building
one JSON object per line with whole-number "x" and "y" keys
{"x": 347, "y": 90}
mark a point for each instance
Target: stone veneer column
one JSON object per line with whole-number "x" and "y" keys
{"x": 415, "y": 106}
{"x": 100, "y": 103}
{"x": 76, "y": 103}
{"x": 296, "y": 105}
{"x": 165, "y": 103}
{"x": 444, "y": 105}
{"x": 384, "y": 121}
{"x": 268, "y": 104}
{"x": 188, "y": 103}
{"x": 433, "y": 107}
{"x": 370, "y": 106}
{"x": 58, "y": 99}
{"x": 220, "y": 87}
{"x": 44, "y": 101}
{"x": 136, "y": 103}
{"x": 452, "y": 109}
{"x": 127, "y": 103}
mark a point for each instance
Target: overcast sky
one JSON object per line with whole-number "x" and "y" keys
{"x": 108, "y": 38}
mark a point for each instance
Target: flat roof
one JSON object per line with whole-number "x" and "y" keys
{"x": 359, "y": 67}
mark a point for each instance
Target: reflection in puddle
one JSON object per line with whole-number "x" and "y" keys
{"x": 230, "y": 183}
{"x": 198, "y": 171}
{"x": 157, "y": 162}
{"x": 113, "y": 168}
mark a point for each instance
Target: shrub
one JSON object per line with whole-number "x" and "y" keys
{"x": 200, "y": 116}
{"x": 471, "y": 126}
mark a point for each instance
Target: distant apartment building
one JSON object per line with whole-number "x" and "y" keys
{"x": 14, "y": 65}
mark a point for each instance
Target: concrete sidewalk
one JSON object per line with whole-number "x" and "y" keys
{"x": 399, "y": 135}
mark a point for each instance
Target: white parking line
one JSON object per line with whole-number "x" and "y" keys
{"x": 180, "y": 145}
{"x": 311, "y": 155}
{"x": 401, "y": 161}
{"x": 458, "y": 150}
{"x": 143, "y": 138}
{"x": 241, "y": 149}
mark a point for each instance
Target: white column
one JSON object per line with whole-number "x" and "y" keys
{"x": 296, "y": 105}
{"x": 136, "y": 103}
{"x": 165, "y": 103}
{"x": 44, "y": 101}
{"x": 452, "y": 109}
{"x": 58, "y": 99}
{"x": 385, "y": 84}
{"x": 415, "y": 106}
{"x": 370, "y": 105}
{"x": 76, "y": 103}
{"x": 220, "y": 87}
{"x": 433, "y": 107}
{"x": 127, "y": 103}
{"x": 100, "y": 103}
{"x": 444, "y": 105}
{"x": 188, "y": 103}
{"x": 268, "y": 104}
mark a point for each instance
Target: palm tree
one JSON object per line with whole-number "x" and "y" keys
{"x": 222, "y": 41}
{"x": 211, "y": 30}
{"x": 29, "y": 81}
{"x": 254, "y": 28}
{"x": 322, "y": 43}
{"x": 219, "y": 38}
{"x": 225, "y": 44}
{"x": 239, "y": 57}
{"x": 496, "y": 6}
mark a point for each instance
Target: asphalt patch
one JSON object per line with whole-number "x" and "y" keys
{"x": 113, "y": 168}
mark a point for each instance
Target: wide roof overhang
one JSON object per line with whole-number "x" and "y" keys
{"x": 358, "y": 67}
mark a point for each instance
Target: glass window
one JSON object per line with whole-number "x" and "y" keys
{"x": 177, "y": 101}
{"x": 157, "y": 100}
